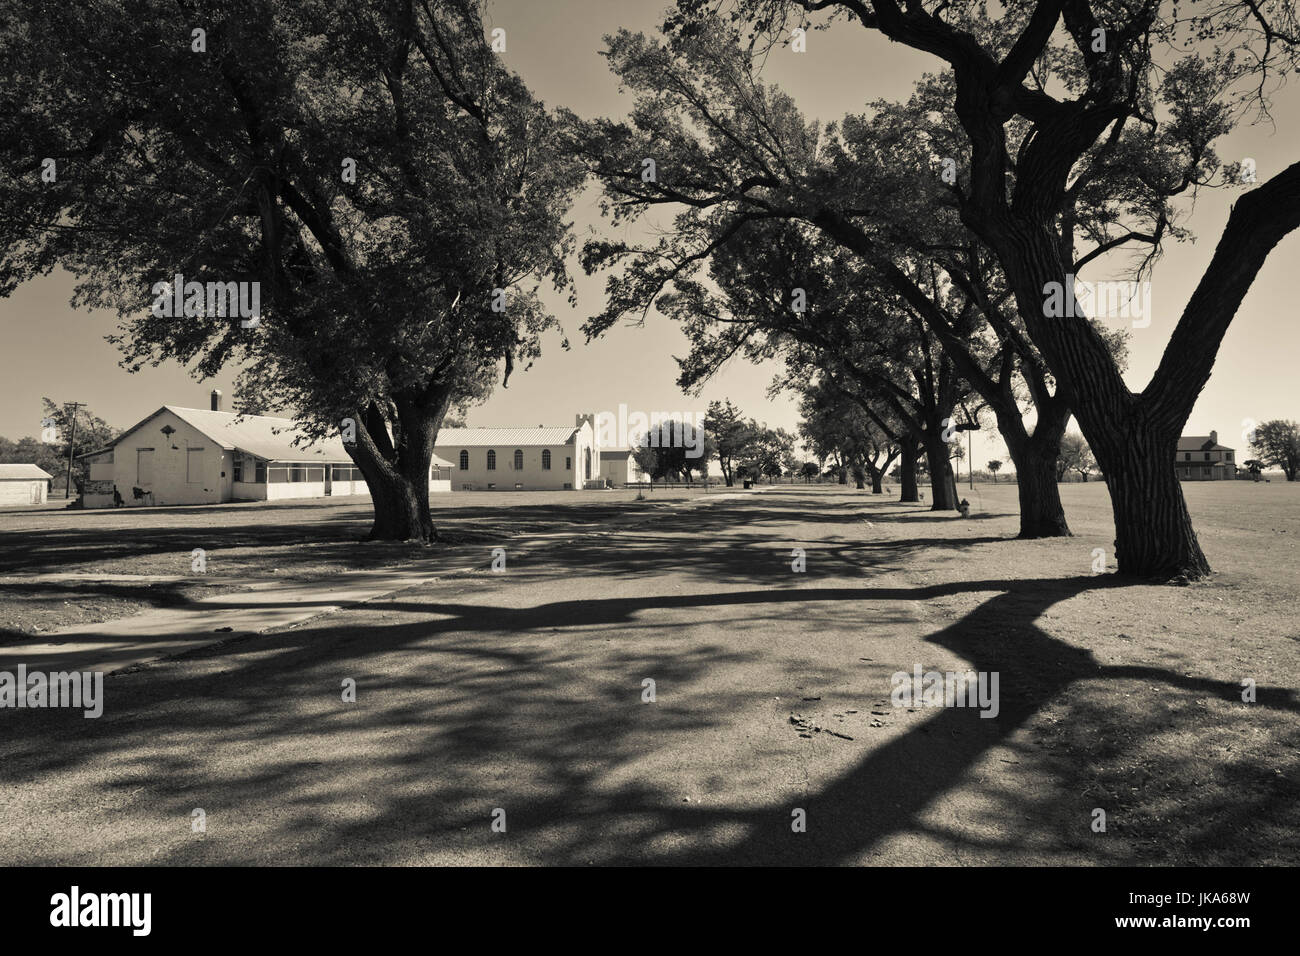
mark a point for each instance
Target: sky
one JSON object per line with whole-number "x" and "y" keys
{"x": 48, "y": 349}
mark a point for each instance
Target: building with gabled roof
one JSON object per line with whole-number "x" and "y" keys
{"x": 190, "y": 456}
{"x": 23, "y": 484}
{"x": 548, "y": 457}
{"x": 1202, "y": 458}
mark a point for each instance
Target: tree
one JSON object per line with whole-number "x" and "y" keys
{"x": 832, "y": 422}
{"x": 809, "y": 470}
{"x": 769, "y": 453}
{"x": 994, "y": 467}
{"x": 728, "y": 179}
{"x": 392, "y": 194}
{"x": 92, "y": 433}
{"x": 660, "y": 459}
{"x": 785, "y": 290}
{"x": 1034, "y": 110}
{"x": 1277, "y": 443}
{"x": 1075, "y": 456}
{"x": 731, "y": 437}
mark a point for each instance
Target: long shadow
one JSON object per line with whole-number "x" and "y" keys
{"x": 544, "y": 724}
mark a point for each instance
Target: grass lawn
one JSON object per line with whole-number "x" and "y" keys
{"x": 243, "y": 542}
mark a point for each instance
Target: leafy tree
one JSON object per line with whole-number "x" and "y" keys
{"x": 1056, "y": 87}
{"x": 730, "y": 435}
{"x": 832, "y": 421}
{"x": 787, "y": 291}
{"x": 809, "y": 470}
{"x": 994, "y": 467}
{"x": 395, "y": 191}
{"x": 92, "y": 433}
{"x": 1277, "y": 443}
{"x": 958, "y": 295}
{"x": 1075, "y": 456}
{"x": 33, "y": 451}
{"x": 662, "y": 459}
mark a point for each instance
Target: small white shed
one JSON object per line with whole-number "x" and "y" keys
{"x": 23, "y": 485}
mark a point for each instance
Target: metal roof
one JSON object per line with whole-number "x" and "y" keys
{"x": 262, "y": 436}
{"x": 19, "y": 472}
{"x": 1200, "y": 443}
{"x": 505, "y": 437}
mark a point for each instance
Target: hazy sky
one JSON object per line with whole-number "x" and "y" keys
{"x": 48, "y": 349}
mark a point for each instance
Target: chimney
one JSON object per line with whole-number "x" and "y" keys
{"x": 216, "y": 399}
{"x": 1214, "y": 438}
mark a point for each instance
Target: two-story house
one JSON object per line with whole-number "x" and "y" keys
{"x": 1202, "y": 458}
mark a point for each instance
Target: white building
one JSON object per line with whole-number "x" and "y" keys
{"x": 556, "y": 457}
{"x": 189, "y": 456}
{"x": 619, "y": 466}
{"x": 23, "y": 485}
{"x": 1202, "y": 458}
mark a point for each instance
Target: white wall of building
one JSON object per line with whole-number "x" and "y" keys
{"x": 23, "y": 491}
{"x": 568, "y": 465}
{"x": 183, "y": 468}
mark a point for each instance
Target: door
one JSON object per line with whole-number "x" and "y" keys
{"x": 144, "y": 467}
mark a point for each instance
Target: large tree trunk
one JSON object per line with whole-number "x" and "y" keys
{"x": 397, "y": 469}
{"x": 907, "y": 474}
{"x": 1153, "y": 531}
{"x": 1041, "y": 512}
{"x": 875, "y": 483}
{"x": 943, "y": 487}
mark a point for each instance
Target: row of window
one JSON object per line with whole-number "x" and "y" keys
{"x": 1227, "y": 456}
{"x": 519, "y": 460}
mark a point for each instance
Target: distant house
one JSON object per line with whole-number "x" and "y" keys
{"x": 1202, "y": 458}
{"x": 619, "y": 466}
{"x": 548, "y": 457}
{"x": 191, "y": 456}
{"x": 23, "y": 485}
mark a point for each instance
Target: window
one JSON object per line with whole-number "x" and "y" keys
{"x": 492, "y": 460}
{"x": 259, "y": 473}
{"x": 1187, "y": 456}
{"x": 568, "y": 464}
{"x": 1227, "y": 456}
{"x": 546, "y": 459}
{"x": 193, "y": 465}
{"x": 519, "y": 460}
{"x": 237, "y": 472}
{"x": 1207, "y": 456}
{"x": 464, "y": 460}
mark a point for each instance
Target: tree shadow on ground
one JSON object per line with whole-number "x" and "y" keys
{"x": 467, "y": 703}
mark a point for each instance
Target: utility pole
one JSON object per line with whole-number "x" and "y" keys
{"x": 968, "y": 427}
{"x": 72, "y": 442}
